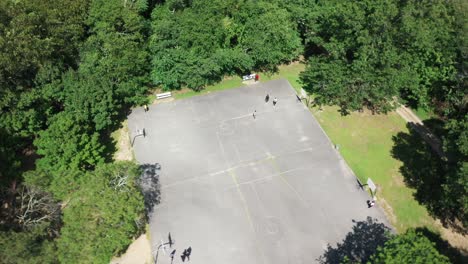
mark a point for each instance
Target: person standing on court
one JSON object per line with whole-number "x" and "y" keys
{"x": 184, "y": 255}
{"x": 254, "y": 114}
{"x": 275, "y": 101}
{"x": 257, "y": 77}
{"x": 267, "y": 98}
{"x": 145, "y": 107}
{"x": 172, "y": 255}
{"x": 189, "y": 251}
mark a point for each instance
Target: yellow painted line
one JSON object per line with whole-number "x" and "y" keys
{"x": 277, "y": 168}
{"x": 244, "y": 202}
{"x": 247, "y": 212}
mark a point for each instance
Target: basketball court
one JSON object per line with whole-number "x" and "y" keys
{"x": 243, "y": 189}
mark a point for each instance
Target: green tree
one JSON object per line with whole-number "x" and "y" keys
{"x": 357, "y": 63}
{"x": 372, "y": 53}
{"x": 411, "y": 247}
{"x": 37, "y": 41}
{"x": 68, "y": 143}
{"x": 27, "y": 247}
{"x": 102, "y": 216}
{"x": 88, "y": 101}
{"x": 455, "y": 187}
{"x": 183, "y": 45}
{"x": 68, "y": 110}
{"x": 425, "y": 39}
{"x": 268, "y": 34}
{"x": 115, "y": 55}
{"x": 8, "y": 158}
{"x": 196, "y": 43}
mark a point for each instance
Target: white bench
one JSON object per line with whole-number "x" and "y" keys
{"x": 248, "y": 77}
{"x": 163, "y": 95}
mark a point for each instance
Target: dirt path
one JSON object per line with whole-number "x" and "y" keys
{"x": 419, "y": 127}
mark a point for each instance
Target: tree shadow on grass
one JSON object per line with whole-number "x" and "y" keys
{"x": 150, "y": 186}
{"x": 359, "y": 244}
{"x": 426, "y": 171}
{"x": 421, "y": 167}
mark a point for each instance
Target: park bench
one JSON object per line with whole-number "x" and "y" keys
{"x": 249, "y": 77}
{"x": 163, "y": 95}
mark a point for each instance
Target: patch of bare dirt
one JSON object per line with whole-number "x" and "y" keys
{"x": 124, "y": 150}
{"x": 139, "y": 252}
{"x": 397, "y": 178}
{"x": 455, "y": 239}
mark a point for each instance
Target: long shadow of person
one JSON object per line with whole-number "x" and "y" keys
{"x": 172, "y": 255}
{"x": 184, "y": 255}
{"x": 189, "y": 252}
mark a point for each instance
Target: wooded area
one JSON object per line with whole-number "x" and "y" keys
{"x": 71, "y": 70}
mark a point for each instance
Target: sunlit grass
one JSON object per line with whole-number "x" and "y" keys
{"x": 366, "y": 143}
{"x": 227, "y": 83}
{"x": 423, "y": 114}
{"x": 289, "y": 72}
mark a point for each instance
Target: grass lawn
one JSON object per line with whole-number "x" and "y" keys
{"x": 227, "y": 83}
{"x": 365, "y": 142}
{"x": 422, "y": 113}
{"x": 289, "y": 72}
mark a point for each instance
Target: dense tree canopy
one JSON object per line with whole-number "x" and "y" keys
{"x": 194, "y": 43}
{"x": 71, "y": 70}
{"x": 102, "y": 216}
{"x": 455, "y": 186}
{"x": 68, "y": 71}
{"x": 38, "y": 40}
{"x": 27, "y": 247}
{"x": 370, "y": 52}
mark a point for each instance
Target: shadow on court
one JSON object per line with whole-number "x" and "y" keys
{"x": 359, "y": 244}
{"x": 150, "y": 186}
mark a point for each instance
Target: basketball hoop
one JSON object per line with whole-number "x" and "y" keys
{"x": 372, "y": 187}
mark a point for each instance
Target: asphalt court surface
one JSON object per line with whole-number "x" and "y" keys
{"x": 239, "y": 189}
